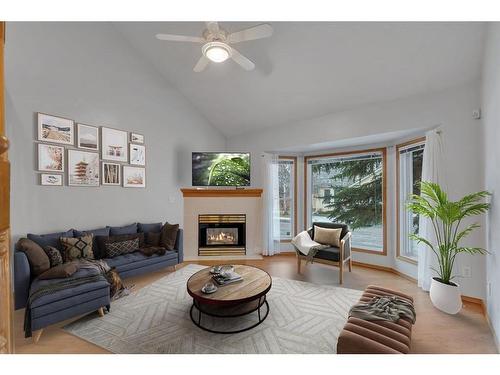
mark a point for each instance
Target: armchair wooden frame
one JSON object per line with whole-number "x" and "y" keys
{"x": 345, "y": 257}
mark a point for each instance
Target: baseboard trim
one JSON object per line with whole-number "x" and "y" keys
{"x": 384, "y": 268}
{"x": 495, "y": 337}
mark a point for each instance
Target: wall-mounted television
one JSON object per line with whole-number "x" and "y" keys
{"x": 221, "y": 169}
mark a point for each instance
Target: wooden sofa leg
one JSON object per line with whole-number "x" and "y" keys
{"x": 100, "y": 311}
{"x": 298, "y": 264}
{"x": 341, "y": 272}
{"x": 350, "y": 264}
{"x": 36, "y": 335}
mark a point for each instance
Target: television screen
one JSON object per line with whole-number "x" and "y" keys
{"x": 221, "y": 169}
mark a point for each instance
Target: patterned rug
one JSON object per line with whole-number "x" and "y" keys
{"x": 303, "y": 318}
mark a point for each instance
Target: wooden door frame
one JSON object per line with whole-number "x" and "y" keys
{"x": 398, "y": 214}
{"x": 6, "y": 311}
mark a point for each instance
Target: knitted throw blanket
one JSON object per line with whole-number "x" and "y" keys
{"x": 51, "y": 288}
{"x": 384, "y": 308}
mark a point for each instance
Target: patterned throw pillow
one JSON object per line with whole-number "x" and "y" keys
{"x": 54, "y": 255}
{"x": 77, "y": 247}
{"x": 114, "y": 249}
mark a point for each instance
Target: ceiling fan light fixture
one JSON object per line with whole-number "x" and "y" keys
{"x": 216, "y": 51}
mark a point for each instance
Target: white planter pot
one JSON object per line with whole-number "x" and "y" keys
{"x": 445, "y": 297}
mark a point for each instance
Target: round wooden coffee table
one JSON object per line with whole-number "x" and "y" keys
{"x": 230, "y": 301}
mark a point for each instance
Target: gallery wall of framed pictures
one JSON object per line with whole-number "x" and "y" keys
{"x": 87, "y": 155}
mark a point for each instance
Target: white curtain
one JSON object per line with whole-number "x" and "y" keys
{"x": 271, "y": 216}
{"x": 432, "y": 171}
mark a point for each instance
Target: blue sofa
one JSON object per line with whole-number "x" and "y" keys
{"x": 86, "y": 298}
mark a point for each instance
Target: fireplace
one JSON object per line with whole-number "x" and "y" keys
{"x": 221, "y": 234}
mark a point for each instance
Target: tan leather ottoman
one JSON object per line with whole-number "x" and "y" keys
{"x": 376, "y": 337}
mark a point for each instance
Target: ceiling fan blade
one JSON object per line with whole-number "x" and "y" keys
{"x": 213, "y": 27}
{"x": 180, "y": 38}
{"x": 201, "y": 64}
{"x": 257, "y": 32}
{"x": 242, "y": 60}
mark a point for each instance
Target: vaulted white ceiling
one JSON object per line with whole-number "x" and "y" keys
{"x": 309, "y": 69}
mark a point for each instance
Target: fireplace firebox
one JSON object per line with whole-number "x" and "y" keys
{"x": 221, "y": 234}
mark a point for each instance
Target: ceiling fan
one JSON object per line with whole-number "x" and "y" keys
{"x": 217, "y": 44}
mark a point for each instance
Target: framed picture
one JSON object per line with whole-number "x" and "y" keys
{"x": 55, "y": 129}
{"x": 83, "y": 168}
{"x": 134, "y": 177}
{"x": 137, "y": 154}
{"x": 50, "y": 158}
{"x": 87, "y": 137}
{"x": 136, "y": 138}
{"x": 111, "y": 174}
{"x": 47, "y": 179}
{"x": 114, "y": 144}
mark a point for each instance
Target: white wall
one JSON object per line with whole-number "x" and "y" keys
{"x": 87, "y": 72}
{"x": 491, "y": 120}
{"x": 462, "y": 137}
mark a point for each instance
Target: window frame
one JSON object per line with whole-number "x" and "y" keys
{"x": 383, "y": 151}
{"x": 294, "y": 196}
{"x": 399, "y": 256}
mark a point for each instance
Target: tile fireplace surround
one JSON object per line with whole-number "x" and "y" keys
{"x": 212, "y": 201}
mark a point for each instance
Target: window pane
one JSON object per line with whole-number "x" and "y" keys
{"x": 410, "y": 175}
{"x": 349, "y": 190}
{"x": 286, "y": 195}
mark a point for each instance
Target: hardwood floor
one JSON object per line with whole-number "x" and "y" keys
{"x": 434, "y": 331}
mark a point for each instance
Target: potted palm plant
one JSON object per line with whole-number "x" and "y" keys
{"x": 446, "y": 218}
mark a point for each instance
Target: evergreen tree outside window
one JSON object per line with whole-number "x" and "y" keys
{"x": 349, "y": 189}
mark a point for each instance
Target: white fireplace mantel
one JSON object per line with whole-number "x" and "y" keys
{"x": 223, "y": 201}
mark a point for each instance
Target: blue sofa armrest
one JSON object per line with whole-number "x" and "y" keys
{"x": 179, "y": 245}
{"x": 22, "y": 279}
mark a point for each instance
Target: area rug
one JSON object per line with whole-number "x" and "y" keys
{"x": 303, "y": 318}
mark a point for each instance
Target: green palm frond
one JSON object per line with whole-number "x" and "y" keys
{"x": 446, "y": 217}
{"x": 466, "y": 232}
{"x": 471, "y": 250}
{"x": 434, "y": 192}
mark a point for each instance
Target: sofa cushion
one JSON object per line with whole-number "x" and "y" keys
{"x": 37, "y": 258}
{"x": 58, "y": 272}
{"x": 77, "y": 248}
{"x": 154, "y": 227}
{"x": 127, "y": 229}
{"x": 67, "y": 292}
{"x": 69, "y": 297}
{"x": 54, "y": 255}
{"x": 169, "y": 235}
{"x": 137, "y": 260}
{"x": 330, "y": 253}
{"x": 114, "y": 249}
{"x": 98, "y": 253}
{"x": 51, "y": 239}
